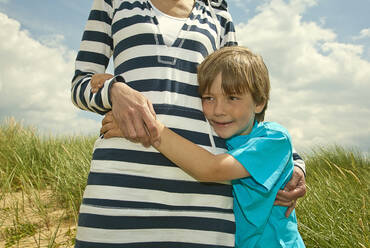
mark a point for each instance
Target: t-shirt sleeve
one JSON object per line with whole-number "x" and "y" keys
{"x": 265, "y": 158}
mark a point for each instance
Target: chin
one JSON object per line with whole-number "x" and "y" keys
{"x": 223, "y": 136}
{"x": 224, "y": 133}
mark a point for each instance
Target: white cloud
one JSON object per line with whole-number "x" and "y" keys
{"x": 35, "y": 81}
{"x": 319, "y": 85}
{"x": 52, "y": 41}
{"x": 364, "y": 33}
{"x": 4, "y": 1}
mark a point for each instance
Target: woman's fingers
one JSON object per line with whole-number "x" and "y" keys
{"x": 97, "y": 81}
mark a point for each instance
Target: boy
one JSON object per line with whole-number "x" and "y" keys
{"x": 234, "y": 85}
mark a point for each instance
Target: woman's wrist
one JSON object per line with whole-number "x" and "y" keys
{"x": 117, "y": 89}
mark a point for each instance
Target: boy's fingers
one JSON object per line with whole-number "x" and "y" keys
{"x": 106, "y": 127}
{"x": 108, "y": 124}
{"x": 113, "y": 133}
{"x": 107, "y": 119}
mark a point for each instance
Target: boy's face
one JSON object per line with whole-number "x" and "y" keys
{"x": 229, "y": 115}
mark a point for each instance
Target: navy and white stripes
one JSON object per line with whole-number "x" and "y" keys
{"x": 135, "y": 197}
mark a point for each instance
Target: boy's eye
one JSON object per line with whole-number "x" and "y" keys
{"x": 207, "y": 98}
{"x": 233, "y": 98}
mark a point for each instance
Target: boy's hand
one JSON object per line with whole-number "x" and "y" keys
{"x": 293, "y": 190}
{"x": 97, "y": 81}
{"x": 110, "y": 129}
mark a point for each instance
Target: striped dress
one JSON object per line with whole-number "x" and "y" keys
{"x": 135, "y": 197}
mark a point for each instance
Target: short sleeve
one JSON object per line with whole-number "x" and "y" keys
{"x": 265, "y": 158}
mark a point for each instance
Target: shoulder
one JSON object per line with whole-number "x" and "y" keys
{"x": 263, "y": 135}
{"x": 273, "y": 129}
{"x": 216, "y": 4}
{"x": 219, "y": 7}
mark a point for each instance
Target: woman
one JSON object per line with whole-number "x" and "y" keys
{"x": 135, "y": 197}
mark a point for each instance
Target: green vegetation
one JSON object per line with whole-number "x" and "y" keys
{"x": 334, "y": 212}
{"x": 42, "y": 181}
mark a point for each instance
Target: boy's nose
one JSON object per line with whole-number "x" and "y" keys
{"x": 219, "y": 108}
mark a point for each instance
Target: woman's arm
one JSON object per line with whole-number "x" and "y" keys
{"x": 93, "y": 58}
{"x": 293, "y": 190}
{"x": 134, "y": 113}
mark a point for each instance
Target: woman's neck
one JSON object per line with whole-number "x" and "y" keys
{"x": 175, "y": 8}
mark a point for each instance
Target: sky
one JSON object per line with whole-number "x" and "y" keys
{"x": 317, "y": 52}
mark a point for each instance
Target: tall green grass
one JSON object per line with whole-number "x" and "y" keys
{"x": 334, "y": 212}
{"x": 37, "y": 166}
{"x": 49, "y": 173}
{"x": 28, "y": 162}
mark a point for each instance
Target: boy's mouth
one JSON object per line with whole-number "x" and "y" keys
{"x": 220, "y": 124}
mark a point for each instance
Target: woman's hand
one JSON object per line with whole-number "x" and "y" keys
{"x": 293, "y": 190}
{"x": 134, "y": 115}
{"x": 97, "y": 81}
{"x": 110, "y": 128}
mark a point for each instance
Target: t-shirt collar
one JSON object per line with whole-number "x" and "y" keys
{"x": 238, "y": 140}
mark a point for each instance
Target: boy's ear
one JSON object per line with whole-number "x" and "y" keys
{"x": 259, "y": 107}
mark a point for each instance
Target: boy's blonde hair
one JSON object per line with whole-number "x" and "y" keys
{"x": 242, "y": 71}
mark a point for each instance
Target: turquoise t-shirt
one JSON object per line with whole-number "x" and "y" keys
{"x": 266, "y": 153}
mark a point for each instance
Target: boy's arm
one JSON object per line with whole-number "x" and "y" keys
{"x": 197, "y": 161}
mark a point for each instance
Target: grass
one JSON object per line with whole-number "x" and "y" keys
{"x": 334, "y": 212}
{"x": 42, "y": 181}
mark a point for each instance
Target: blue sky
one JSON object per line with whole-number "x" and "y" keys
{"x": 317, "y": 51}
